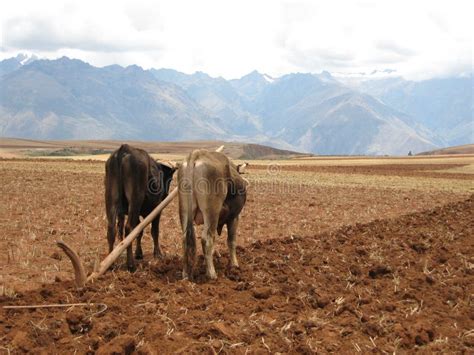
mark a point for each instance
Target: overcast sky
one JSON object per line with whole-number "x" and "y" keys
{"x": 418, "y": 39}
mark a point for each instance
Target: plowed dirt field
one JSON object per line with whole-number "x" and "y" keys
{"x": 371, "y": 258}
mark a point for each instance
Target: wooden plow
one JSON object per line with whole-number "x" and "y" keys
{"x": 81, "y": 277}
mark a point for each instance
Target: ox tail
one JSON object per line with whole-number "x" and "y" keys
{"x": 110, "y": 202}
{"x": 121, "y": 153}
{"x": 123, "y": 150}
{"x": 114, "y": 182}
{"x": 190, "y": 238}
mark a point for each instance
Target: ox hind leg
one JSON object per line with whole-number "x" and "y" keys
{"x": 111, "y": 235}
{"x": 114, "y": 217}
{"x": 210, "y": 205}
{"x": 208, "y": 237}
{"x": 111, "y": 231}
{"x": 232, "y": 241}
{"x": 155, "y": 233}
{"x": 112, "y": 209}
{"x": 132, "y": 221}
{"x": 189, "y": 250}
{"x": 186, "y": 213}
{"x": 138, "y": 248}
{"x": 121, "y": 225}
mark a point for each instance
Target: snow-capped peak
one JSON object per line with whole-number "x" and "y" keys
{"x": 268, "y": 78}
{"x": 24, "y": 59}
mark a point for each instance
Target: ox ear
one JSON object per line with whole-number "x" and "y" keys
{"x": 173, "y": 165}
{"x": 242, "y": 167}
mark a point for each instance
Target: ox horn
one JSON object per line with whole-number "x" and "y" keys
{"x": 242, "y": 167}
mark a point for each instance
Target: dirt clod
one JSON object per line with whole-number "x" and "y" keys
{"x": 355, "y": 270}
{"x": 222, "y": 330}
{"x": 22, "y": 341}
{"x": 262, "y": 293}
{"x": 379, "y": 271}
{"x": 78, "y": 323}
{"x": 123, "y": 344}
{"x": 420, "y": 247}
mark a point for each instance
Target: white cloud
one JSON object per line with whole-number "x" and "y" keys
{"x": 418, "y": 39}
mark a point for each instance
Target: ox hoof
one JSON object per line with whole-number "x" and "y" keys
{"x": 212, "y": 276}
{"x": 159, "y": 255}
{"x": 132, "y": 268}
{"x": 138, "y": 255}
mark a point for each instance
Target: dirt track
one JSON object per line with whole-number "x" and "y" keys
{"x": 416, "y": 170}
{"x": 323, "y": 268}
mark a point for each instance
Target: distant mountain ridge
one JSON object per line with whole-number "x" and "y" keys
{"x": 217, "y": 96}
{"x": 444, "y": 105}
{"x": 70, "y": 99}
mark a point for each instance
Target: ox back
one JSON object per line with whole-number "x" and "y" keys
{"x": 212, "y": 193}
{"x": 134, "y": 185}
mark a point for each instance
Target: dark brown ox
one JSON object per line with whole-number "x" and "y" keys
{"x": 211, "y": 192}
{"x": 134, "y": 185}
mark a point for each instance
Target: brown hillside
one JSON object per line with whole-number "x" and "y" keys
{"x": 460, "y": 149}
{"x": 27, "y": 147}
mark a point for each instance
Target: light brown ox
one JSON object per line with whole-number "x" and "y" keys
{"x": 211, "y": 192}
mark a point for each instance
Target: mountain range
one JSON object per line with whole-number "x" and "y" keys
{"x": 318, "y": 113}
